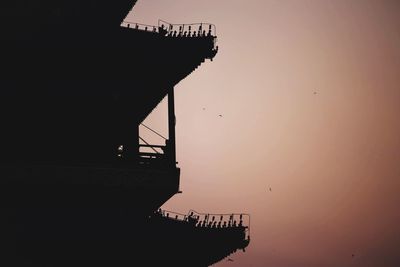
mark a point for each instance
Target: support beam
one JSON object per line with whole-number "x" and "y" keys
{"x": 171, "y": 127}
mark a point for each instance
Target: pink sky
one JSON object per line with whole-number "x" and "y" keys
{"x": 332, "y": 159}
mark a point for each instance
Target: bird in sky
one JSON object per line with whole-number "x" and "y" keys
{"x": 270, "y": 189}
{"x": 220, "y": 115}
{"x": 229, "y": 259}
{"x": 315, "y": 92}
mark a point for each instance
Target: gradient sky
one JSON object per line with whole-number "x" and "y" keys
{"x": 332, "y": 159}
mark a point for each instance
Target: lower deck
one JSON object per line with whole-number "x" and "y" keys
{"x": 142, "y": 189}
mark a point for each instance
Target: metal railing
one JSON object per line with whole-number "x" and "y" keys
{"x": 148, "y": 153}
{"x": 140, "y": 27}
{"x": 230, "y": 220}
{"x": 166, "y": 29}
{"x": 188, "y": 30}
{"x": 212, "y": 220}
{"x": 175, "y": 30}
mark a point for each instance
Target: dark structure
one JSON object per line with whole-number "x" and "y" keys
{"x": 77, "y": 185}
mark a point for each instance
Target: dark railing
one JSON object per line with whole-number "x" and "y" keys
{"x": 212, "y": 220}
{"x": 175, "y": 30}
{"x": 183, "y": 31}
{"x": 140, "y": 27}
{"x": 154, "y": 157}
{"x": 188, "y": 30}
{"x": 150, "y": 155}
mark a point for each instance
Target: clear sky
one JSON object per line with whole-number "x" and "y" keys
{"x": 331, "y": 158}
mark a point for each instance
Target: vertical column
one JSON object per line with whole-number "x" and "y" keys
{"x": 171, "y": 127}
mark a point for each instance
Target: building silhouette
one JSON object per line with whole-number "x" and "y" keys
{"x": 77, "y": 185}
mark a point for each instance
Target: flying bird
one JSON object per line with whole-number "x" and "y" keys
{"x": 270, "y": 189}
{"x": 229, "y": 259}
{"x": 220, "y": 115}
{"x": 315, "y": 92}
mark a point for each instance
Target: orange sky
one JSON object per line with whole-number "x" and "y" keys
{"x": 332, "y": 159}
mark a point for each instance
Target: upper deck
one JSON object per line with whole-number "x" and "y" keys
{"x": 77, "y": 90}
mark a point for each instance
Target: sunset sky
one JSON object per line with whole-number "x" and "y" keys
{"x": 331, "y": 158}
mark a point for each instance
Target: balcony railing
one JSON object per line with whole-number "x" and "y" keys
{"x": 188, "y": 30}
{"x": 216, "y": 221}
{"x": 175, "y": 30}
{"x": 192, "y": 31}
{"x": 140, "y": 27}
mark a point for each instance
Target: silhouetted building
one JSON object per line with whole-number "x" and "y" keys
{"x": 76, "y": 183}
